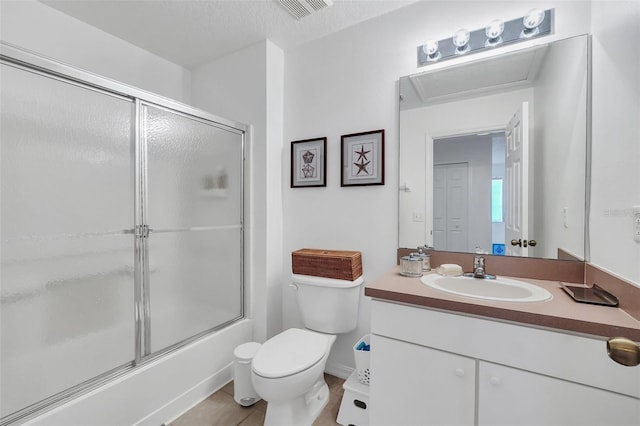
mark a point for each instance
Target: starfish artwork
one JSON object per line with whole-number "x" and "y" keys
{"x": 362, "y": 161}
{"x": 362, "y": 154}
{"x": 362, "y": 167}
{"x": 363, "y": 158}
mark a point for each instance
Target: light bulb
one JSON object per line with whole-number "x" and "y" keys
{"x": 430, "y": 47}
{"x": 461, "y": 41}
{"x": 461, "y": 38}
{"x": 494, "y": 29}
{"x": 533, "y": 19}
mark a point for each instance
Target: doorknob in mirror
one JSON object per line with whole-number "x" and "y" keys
{"x": 524, "y": 243}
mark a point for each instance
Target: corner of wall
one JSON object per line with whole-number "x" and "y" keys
{"x": 275, "y": 134}
{"x": 615, "y": 128}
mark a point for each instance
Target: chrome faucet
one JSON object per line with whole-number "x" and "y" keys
{"x": 478, "y": 267}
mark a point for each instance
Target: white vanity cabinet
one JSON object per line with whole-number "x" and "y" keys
{"x": 432, "y": 367}
{"x": 420, "y": 385}
{"x": 511, "y": 397}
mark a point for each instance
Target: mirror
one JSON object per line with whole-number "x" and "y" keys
{"x": 493, "y": 153}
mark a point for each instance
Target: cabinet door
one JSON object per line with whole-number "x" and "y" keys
{"x": 415, "y": 385}
{"x": 508, "y": 396}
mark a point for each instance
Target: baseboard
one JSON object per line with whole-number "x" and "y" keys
{"x": 187, "y": 400}
{"x": 339, "y": 370}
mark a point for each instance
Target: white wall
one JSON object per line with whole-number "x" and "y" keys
{"x": 559, "y": 149}
{"x": 34, "y": 26}
{"x": 616, "y": 137}
{"x": 346, "y": 83}
{"x": 248, "y": 86}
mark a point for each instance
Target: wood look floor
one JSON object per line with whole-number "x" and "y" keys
{"x": 220, "y": 409}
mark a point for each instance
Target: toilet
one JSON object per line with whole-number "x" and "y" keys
{"x": 287, "y": 371}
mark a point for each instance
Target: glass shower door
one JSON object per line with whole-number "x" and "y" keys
{"x": 67, "y": 305}
{"x": 194, "y": 211}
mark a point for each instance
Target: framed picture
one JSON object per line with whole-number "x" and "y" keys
{"x": 308, "y": 163}
{"x": 363, "y": 159}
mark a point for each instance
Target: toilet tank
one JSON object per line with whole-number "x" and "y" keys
{"x": 328, "y": 305}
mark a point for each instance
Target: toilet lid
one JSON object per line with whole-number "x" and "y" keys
{"x": 289, "y": 352}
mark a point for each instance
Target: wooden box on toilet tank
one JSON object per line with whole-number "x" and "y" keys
{"x": 338, "y": 264}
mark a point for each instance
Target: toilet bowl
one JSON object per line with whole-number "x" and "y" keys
{"x": 288, "y": 369}
{"x": 288, "y": 373}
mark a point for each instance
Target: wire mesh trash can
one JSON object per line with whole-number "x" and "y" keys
{"x": 362, "y": 354}
{"x": 243, "y": 391}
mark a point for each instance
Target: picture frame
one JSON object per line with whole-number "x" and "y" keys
{"x": 362, "y": 159}
{"x": 308, "y": 163}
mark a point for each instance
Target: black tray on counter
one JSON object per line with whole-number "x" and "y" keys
{"x": 594, "y": 295}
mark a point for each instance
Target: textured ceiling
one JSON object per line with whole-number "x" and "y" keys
{"x": 192, "y": 32}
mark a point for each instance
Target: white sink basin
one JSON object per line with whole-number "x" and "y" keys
{"x": 499, "y": 289}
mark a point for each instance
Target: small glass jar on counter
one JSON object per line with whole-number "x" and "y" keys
{"x": 425, "y": 259}
{"x": 411, "y": 266}
{"x": 426, "y": 262}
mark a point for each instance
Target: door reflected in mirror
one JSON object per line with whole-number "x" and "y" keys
{"x": 494, "y": 152}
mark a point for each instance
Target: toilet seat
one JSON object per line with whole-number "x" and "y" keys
{"x": 290, "y": 352}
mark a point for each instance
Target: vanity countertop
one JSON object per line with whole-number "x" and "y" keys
{"x": 560, "y": 313}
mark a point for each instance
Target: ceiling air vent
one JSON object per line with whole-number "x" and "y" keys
{"x": 302, "y": 8}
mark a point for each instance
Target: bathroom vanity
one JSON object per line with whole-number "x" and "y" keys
{"x": 439, "y": 358}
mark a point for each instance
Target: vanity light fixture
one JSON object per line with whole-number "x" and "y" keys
{"x": 535, "y": 23}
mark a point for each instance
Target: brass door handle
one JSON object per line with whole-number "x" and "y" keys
{"x": 524, "y": 243}
{"x": 623, "y": 351}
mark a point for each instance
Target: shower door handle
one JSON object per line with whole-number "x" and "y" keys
{"x": 142, "y": 231}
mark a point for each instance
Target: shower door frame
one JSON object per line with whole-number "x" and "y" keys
{"x": 17, "y": 57}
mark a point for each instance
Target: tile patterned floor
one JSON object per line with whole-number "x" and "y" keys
{"x": 220, "y": 409}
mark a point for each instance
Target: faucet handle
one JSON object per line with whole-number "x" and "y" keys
{"x": 478, "y": 261}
